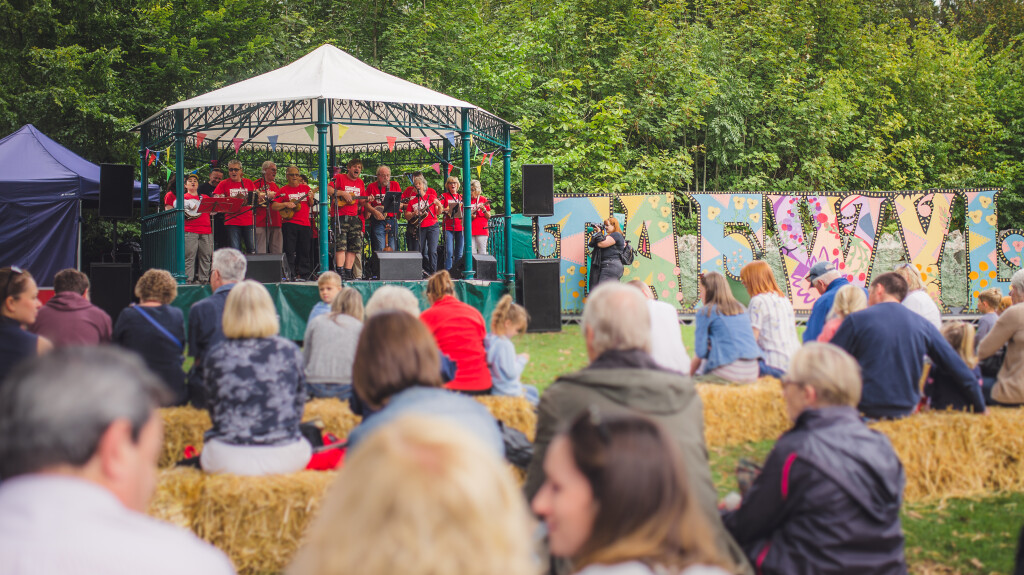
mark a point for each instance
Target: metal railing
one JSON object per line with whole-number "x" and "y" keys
{"x": 160, "y": 248}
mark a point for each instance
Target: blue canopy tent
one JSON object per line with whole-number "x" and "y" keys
{"x": 42, "y": 186}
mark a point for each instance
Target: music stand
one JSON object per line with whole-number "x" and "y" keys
{"x": 219, "y": 204}
{"x": 392, "y": 202}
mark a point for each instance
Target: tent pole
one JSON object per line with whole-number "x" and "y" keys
{"x": 507, "y": 157}
{"x": 179, "y": 185}
{"x": 467, "y": 223}
{"x": 321, "y": 128}
{"x": 143, "y": 170}
{"x": 78, "y": 256}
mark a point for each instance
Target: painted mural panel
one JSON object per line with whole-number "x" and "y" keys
{"x": 731, "y": 231}
{"x": 650, "y": 230}
{"x": 924, "y": 219}
{"x": 564, "y": 235}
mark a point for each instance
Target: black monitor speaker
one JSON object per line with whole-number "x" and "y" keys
{"x": 116, "y": 183}
{"x": 111, "y": 287}
{"x": 538, "y": 190}
{"x": 486, "y": 267}
{"x": 538, "y": 290}
{"x": 400, "y": 265}
{"x": 264, "y": 268}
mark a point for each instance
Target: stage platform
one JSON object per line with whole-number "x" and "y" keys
{"x": 295, "y": 300}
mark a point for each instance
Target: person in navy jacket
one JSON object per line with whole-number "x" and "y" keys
{"x": 204, "y": 317}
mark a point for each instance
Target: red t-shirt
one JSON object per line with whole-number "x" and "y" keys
{"x": 479, "y": 206}
{"x": 424, "y": 203}
{"x": 295, "y": 194}
{"x": 261, "y": 212}
{"x": 459, "y": 331}
{"x": 229, "y": 189}
{"x": 197, "y": 225}
{"x": 377, "y": 195}
{"x": 353, "y": 187}
{"x": 452, "y": 223}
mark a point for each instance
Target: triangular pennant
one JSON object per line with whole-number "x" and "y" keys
{"x": 237, "y": 143}
{"x": 450, "y": 166}
{"x": 311, "y": 132}
{"x": 478, "y": 168}
{"x": 167, "y": 152}
{"x": 150, "y": 158}
{"x": 425, "y": 140}
{"x": 451, "y": 137}
{"x": 437, "y": 168}
{"x": 391, "y": 143}
{"x": 168, "y": 174}
{"x": 471, "y": 139}
{"x": 273, "y": 142}
{"x": 157, "y": 154}
{"x": 342, "y": 129}
{"x": 199, "y": 139}
{"x": 490, "y": 159}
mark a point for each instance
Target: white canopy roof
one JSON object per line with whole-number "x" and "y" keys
{"x": 282, "y": 103}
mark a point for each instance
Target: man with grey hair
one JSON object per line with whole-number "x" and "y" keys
{"x": 204, "y": 318}
{"x": 1008, "y": 385}
{"x": 824, "y": 278}
{"x": 622, "y": 376}
{"x": 79, "y": 443}
{"x": 266, "y": 221}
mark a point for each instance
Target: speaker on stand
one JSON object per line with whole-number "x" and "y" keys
{"x": 538, "y": 190}
{"x": 538, "y": 290}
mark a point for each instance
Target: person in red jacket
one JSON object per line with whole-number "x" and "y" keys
{"x": 69, "y": 318}
{"x": 198, "y": 233}
{"x": 459, "y": 330}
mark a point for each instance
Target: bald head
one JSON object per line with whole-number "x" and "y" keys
{"x": 616, "y": 318}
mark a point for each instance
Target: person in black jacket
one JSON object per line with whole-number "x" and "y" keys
{"x": 606, "y": 262}
{"x": 828, "y": 499}
{"x": 204, "y": 317}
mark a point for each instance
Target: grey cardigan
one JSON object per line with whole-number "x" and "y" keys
{"x": 330, "y": 348}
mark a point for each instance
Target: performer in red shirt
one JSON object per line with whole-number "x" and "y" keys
{"x": 480, "y": 207}
{"x": 292, "y": 204}
{"x": 422, "y": 212}
{"x": 383, "y": 227}
{"x": 348, "y": 191}
{"x": 239, "y": 224}
{"x": 459, "y": 331}
{"x": 412, "y": 232}
{"x": 198, "y": 233}
{"x": 454, "y": 238}
{"x": 266, "y": 190}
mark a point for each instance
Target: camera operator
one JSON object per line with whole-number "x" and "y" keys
{"x": 606, "y": 262}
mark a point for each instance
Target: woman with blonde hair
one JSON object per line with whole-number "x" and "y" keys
{"x": 771, "y": 317}
{"x": 947, "y": 392}
{"x": 454, "y": 237}
{"x": 917, "y": 299}
{"x": 480, "y": 207}
{"x": 459, "y": 331}
{"x": 421, "y": 499}
{"x": 724, "y": 341}
{"x": 608, "y": 243}
{"x": 155, "y": 329}
{"x": 329, "y": 346}
{"x": 257, "y": 389}
{"x": 849, "y": 298}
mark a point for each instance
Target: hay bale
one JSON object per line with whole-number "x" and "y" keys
{"x": 515, "y": 412}
{"x": 735, "y": 414}
{"x": 336, "y": 415}
{"x": 177, "y": 495}
{"x": 182, "y": 426}
{"x": 259, "y": 521}
{"x": 958, "y": 454}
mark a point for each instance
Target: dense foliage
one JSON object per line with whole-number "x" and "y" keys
{"x": 620, "y": 95}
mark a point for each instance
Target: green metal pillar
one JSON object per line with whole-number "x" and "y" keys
{"x": 143, "y": 170}
{"x": 322, "y": 125}
{"x": 510, "y": 268}
{"x": 467, "y": 218}
{"x": 179, "y": 153}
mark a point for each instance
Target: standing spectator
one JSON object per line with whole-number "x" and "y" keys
{"x": 329, "y": 346}
{"x": 155, "y": 330}
{"x": 238, "y": 224}
{"x": 266, "y": 220}
{"x": 480, "y": 207}
{"x": 828, "y": 499}
{"x": 19, "y": 307}
{"x": 1008, "y": 386}
{"x": 724, "y": 346}
{"x": 328, "y": 284}
{"x": 459, "y": 331}
{"x": 507, "y": 321}
{"x": 917, "y": 299}
{"x": 454, "y": 238}
{"x": 257, "y": 391}
{"x": 421, "y": 214}
{"x": 771, "y": 317}
{"x": 198, "y": 233}
{"x": 824, "y": 278}
{"x": 942, "y": 389}
{"x": 292, "y": 204}
{"x": 606, "y": 260}
{"x": 69, "y": 318}
{"x": 383, "y": 226}
{"x": 347, "y": 189}
{"x": 667, "y": 348}
{"x": 849, "y": 299}
{"x": 890, "y": 341}
{"x": 206, "y": 315}
{"x": 79, "y": 442}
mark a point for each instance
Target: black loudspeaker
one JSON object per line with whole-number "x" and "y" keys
{"x": 486, "y": 268}
{"x": 116, "y": 183}
{"x": 538, "y": 190}
{"x": 111, "y": 288}
{"x": 400, "y": 265}
{"x": 537, "y": 290}
{"x": 264, "y": 268}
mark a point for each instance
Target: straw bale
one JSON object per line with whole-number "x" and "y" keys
{"x": 515, "y": 412}
{"x": 259, "y": 521}
{"x": 735, "y": 414}
{"x": 336, "y": 415}
{"x": 177, "y": 495}
{"x": 182, "y": 426}
{"x": 958, "y": 454}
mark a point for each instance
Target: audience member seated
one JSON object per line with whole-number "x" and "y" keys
{"x": 392, "y": 298}
{"x": 942, "y": 390}
{"x": 890, "y": 342}
{"x": 724, "y": 347}
{"x": 824, "y": 278}
{"x": 79, "y": 443}
{"x": 69, "y": 318}
{"x": 423, "y": 498}
{"x": 257, "y": 391}
{"x": 1007, "y": 388}
{"x": 205, "y": 316}
{"x": 407, "y": 379}
{"x": 667, "y": 348}
{"x": 507, "y": 321}
{"x": 1004, "y": 304}
{"x": 459, "y": 331}
{"x": 18, "y": 310}
{"x": 917, "y": 299}
{"x": 329, "y": 346}
{"x": 771, "y": 317}
{"x": 622, "y": 377}
{"x": 329, "y": 284}
{"x": 828, "y": 499}
{"x": 988, "y": 304}
{"x": 155, "y": 330}
{"x": 616, "y": 501}
{"x": 849, "y": 298}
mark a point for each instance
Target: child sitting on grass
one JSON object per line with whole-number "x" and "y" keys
{"x": 944, "y": 391}
{"x": 329, "y": 284}
{"x": 507, "y": 320}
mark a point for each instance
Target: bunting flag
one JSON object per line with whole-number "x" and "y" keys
{"x": 168, "y": 173}
{"x": 167, "y": 152}
{"x": 150, "y": 158}
{"x": 437, "y": 168}
{"x": 342, "y": 129}
{"x": 471, "y": 139}
{"x": 391, "y": 143}
{"x": 410, "y": 178}
{"x": 478, "y": 168}
{"x": 157, "y": 154}
{"x": 199, "y": 139}
{"x": 490, "y": 159}
{"x": 237, "y": 142}
{"x": 273, "y": 142}
{"x": 451, "y": 137}
{"x": 450, "y": 169}
{"x": 425, "y": 140}
{"x": 311, "y": 132}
